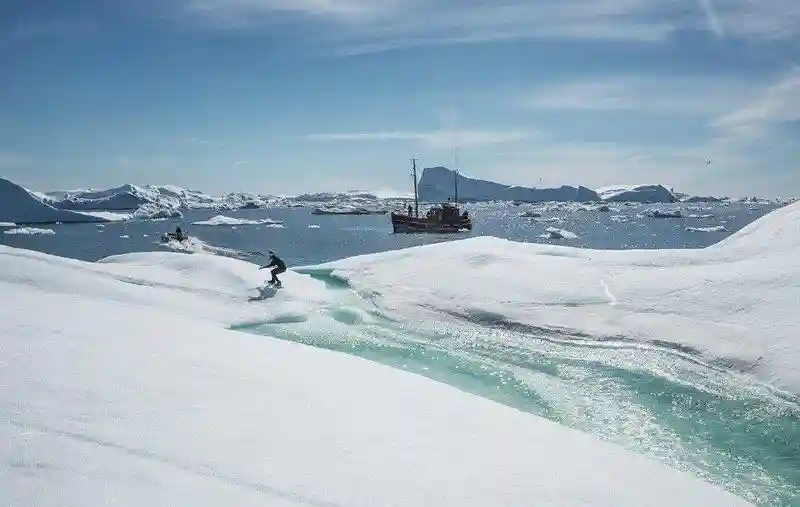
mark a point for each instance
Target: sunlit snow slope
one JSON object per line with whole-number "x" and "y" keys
{"x": 119, "y": 381}
{"x": 119, "y": 385}
{"x": 735, "y": 303}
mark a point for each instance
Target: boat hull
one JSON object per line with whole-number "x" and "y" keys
{"x": 407, "y": 224}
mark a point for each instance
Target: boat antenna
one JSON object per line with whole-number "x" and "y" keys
{"x": 416, "y": 194}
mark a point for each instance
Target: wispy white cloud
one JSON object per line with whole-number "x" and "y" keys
{"x": 763, "y": 19}
{"x": 233, "y": 13}
{"x": 714, "y": 23}
{"x": 686, "y": 96}
{"x": 433, "y": 138}
{"x": 775, "y": 104}
{"x": 367, "y": 26}
{"x": 598, "y": 164}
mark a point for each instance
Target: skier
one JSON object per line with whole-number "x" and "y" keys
{"x": 279, "y": 267}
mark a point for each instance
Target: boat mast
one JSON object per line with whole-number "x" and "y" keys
{"x": 455, "y": 178}
{"x": 416, "y": 194}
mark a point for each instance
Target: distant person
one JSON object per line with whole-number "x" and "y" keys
{"x": 409, "y": 210}
{"x": 179, "y": 234}
{"x": 278, "y": 267}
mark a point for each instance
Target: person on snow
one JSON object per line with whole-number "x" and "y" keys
{"x": 277, "y": 266}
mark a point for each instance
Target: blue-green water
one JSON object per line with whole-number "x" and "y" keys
{"x": 719, "y": 425}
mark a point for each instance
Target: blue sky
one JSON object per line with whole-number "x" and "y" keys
{"x": 288, "y": 96}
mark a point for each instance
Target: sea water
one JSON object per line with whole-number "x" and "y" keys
{"x": 305, "y": 239}
{"x": 717, "y": 424}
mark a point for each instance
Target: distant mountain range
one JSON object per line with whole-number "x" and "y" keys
{"x": 437, "y": 184}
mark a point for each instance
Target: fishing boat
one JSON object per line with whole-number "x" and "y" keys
{"x": 443, "y": 218}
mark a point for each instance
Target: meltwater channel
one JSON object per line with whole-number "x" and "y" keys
{"x": 721, "y": 426}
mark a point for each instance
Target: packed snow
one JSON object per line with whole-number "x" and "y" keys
{"x": 129, "y": 390}
{"x": 734, "y": 302}
{"x": 31, "y": 231}
{"x": 225, "y": 220}
{"x": 436, "y": 184}
{"x": 636, "y": 193}
{"x": 7, "y": 224}
{"x": 20, "y": 206}
{"x": 197, "y": 246}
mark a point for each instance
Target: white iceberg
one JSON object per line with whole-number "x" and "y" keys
{"x": 111, "y": 216}
{"x": 129, "y": 391}
{"x": 156, "y": 212}
{"x": 30, "y": 231}
{"x": 124, "y": 197}
{"x": 225, "y": 220}
{"x": 132, "y": 197}
{"x": 20, "y": 206}
{"x": 436, "y": 184}
{"x": 735, "y": 301}
{"x": 716, "y": 228}
{"x": 659, "y": 213}
{"x": 555, "y": 233}
{"x": 698, "y": 198}
{"x": 636, "y": 193}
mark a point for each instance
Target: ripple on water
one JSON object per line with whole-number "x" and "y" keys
{"x": 661, "y": 402}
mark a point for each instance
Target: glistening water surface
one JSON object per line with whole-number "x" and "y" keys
{"x": 718, "y": 425}
{"x": 306, "y": 239}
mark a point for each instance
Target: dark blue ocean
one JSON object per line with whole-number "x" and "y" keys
{"x": 310, "y": 239}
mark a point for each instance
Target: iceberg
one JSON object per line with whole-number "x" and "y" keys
{"x": 436, "y": 184}
{"x": 698, "y": 198}
{"x": 658, "y": 213}
{"x": 556, "y": 233}
{"x": 224, "y": 220}
{"x": 636, "y": 193}
{"x": 732, "y": 303}
{"x": 30, "y": 231}
{"x": 125, "y": 197}
{"x": 130, "y": 390}
{"x": 716, "y": 228}
{"x": 133, "y": 197}
{"x": 150, "y": 211}
{"x": 20, "y": 206}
